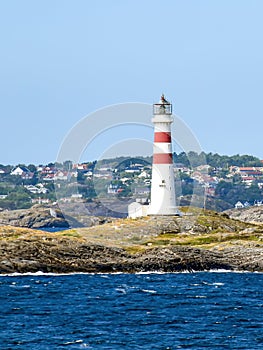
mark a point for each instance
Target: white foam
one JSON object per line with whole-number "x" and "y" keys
{"x": 73, "y": 342}
{"x": 40, "y": 273}
{"x": 149, "y": 291}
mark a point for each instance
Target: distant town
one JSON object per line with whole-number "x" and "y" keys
{"x": 206, "y": 180}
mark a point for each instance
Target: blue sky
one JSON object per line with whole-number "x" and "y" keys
{"x": 62, "y": 60}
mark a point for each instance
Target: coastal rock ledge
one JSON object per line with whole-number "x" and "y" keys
{"x": 198, "y": 242}
{"x": 69, "y": 258}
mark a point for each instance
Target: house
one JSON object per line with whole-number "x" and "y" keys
{"x": 47, "y": 170}
{"x": 144, "y": 174}
{"x": 107, "y": 175}
{"x": 62, "y": 175}
{"x": 36, "y": 189}
{"x": 80, "y": 166}
{"x": 248, "y": 180}
{"x": 27, "y": 175}
{"x": 247, "y": 171}
{"x": 19, "y": 170}
{"x": 142, "y": 190}
{"x": 48, "y": 177}
{"x": 40, "y": 200}
{"x": 239, "y": 205}
{"x": 112, "y": 189}
{"x": 132, "y": 170}
{"x": 76, "y": 196}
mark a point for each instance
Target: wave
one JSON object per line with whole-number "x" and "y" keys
{"x": 40, "y": 273}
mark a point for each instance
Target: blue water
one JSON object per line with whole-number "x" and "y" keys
{"x": 122, "y": 311}
{"x": 53, "y": 229}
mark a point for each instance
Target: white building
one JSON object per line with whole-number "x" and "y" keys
{"x": 19, "y": 170}
{"x": 162, "y": 187}
{"x": 163, "y": 200}
{"x": 137, "y": 210}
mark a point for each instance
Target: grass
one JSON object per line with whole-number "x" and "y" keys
{"x": 203, "y": 240}
{"x": 71, "y": 234}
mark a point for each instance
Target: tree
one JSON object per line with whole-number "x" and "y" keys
{"x": 32, "y": 168}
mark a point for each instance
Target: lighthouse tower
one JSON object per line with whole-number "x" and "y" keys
{"x": 162, "y": 188}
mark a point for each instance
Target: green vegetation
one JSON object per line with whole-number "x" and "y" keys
{"x": 215, "y": 160}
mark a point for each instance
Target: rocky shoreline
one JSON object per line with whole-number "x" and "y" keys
{"x": 101, "y": 259}
{"x": 199, "y": 241}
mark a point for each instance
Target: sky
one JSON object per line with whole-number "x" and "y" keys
{"x": 62, "y": 60}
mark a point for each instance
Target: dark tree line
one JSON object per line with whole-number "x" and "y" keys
{"x": 193, "y": 159}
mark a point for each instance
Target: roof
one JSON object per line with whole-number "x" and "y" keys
{"x": 23, "y": 168}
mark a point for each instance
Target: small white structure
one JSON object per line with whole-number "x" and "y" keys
{"x": 137, "y": 210}
{"x": 239, "y": 205}
{"x": 112, "y": 189}
{"x": 76, "y": 196}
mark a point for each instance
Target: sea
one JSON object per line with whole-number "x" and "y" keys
{"x": 202, "y": 310}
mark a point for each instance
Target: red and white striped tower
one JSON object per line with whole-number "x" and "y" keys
{"x": 163, "y": 200}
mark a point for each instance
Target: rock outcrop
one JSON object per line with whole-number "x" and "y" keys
{"x": 40, "y": 216}
{"x": 251, "y": 214}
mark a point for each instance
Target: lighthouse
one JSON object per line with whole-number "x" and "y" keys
{"x": 163, "y": 200}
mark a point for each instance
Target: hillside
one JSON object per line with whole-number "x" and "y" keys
{"x": 199, "y": 240}
{"x": 224, "y": 179}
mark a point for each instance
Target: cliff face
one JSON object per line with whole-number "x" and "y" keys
{"x": 194, "y": 242}
{"x": 35, "y": 217}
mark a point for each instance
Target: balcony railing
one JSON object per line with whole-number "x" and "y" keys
{"x": 162, "y": 108}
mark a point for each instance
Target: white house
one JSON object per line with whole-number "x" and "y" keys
{"x": 76, "y": 196}
{"x": 40, "y": 200}
{"x": 239, "y": 205}
{"x": 112, "y": 189}
{"x": 144, "y": 174}
{"x": 142, "y": 190}
{"x": 19, "y": 170}
{"x": 36, "y": 189}
{"x": 62, "y": 175}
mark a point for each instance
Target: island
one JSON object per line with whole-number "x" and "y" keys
{"x": 198, "y": 240}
